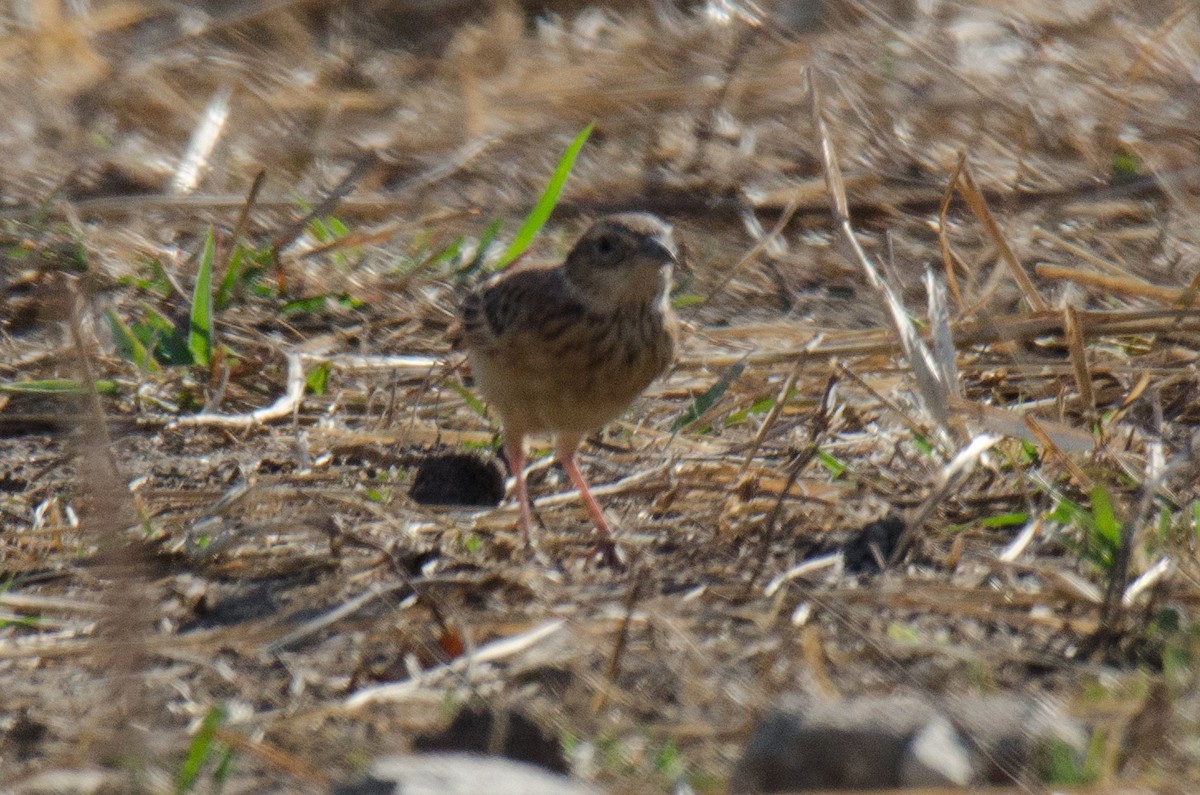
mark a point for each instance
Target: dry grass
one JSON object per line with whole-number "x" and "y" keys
{"x": 1067, "y": 239}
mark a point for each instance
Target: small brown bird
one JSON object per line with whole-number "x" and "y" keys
{"x": 566, "y": 349}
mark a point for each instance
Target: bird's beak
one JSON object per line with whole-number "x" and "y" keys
{"x": 661, "y": 249}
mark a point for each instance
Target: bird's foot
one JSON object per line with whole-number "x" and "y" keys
{"x": 608, "y": 553}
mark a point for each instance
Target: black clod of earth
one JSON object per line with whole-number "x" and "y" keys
{"x": 509, "y": 733}
{"x": 457, "y": 479}
{"x": 873, "y": 544}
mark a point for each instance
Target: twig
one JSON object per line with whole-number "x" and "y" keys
{"x": 951, "y": 477}
{"x": 1083, "y": 376}
{"x": 816, "y": 431}
{"x": 614, "y": 661}
{"x": 491, "y": 652}
{"x": 979, "y": 207}
{"x": 948, "y": 257}
{"x": 308, "y": 628}
{"x": 1111, "y": 284}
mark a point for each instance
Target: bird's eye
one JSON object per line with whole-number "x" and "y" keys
{"x": 605, "y": 246}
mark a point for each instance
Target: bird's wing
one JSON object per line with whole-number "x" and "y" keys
{"x": 506, "y": 310}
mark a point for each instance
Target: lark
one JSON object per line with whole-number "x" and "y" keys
{"x": 564, "y": 350}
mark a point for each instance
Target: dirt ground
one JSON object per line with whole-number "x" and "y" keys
{"x": 169, "y": 557}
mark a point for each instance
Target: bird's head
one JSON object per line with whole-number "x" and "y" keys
{"x": 623, "y": 259}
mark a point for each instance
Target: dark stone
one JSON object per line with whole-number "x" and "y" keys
{"x": 460, "y": 774}
{"x": 506, "y": 733}
{"x": 369, "y": 786}
{"x": 457, "y": 479}
{"x": 875, "y": 539}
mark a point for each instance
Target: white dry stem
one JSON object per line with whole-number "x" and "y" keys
{"x": 491, "y": 652}
{"x": 1018, "y": 545}
{"x": 204, "y": 140}
{"x": 309, "y": 628}
{"x": 933, "y": 393}
{"x": 944, "y": 352}
{"x": 1147, "y": 580}
{"x": 950, "y": 479}
{"x": 834, "y": 560}
{"x": 292, "y": 397}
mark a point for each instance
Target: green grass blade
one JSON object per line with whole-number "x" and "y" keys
{"x": 55, "y": 386}
{"x": 200, "y": 336}
{"x": 473, "y": 402}
{"x": 166, "y": 343}
{"x": 485, "y": 243}
{"x": 318, "y": 378}
{"x": 1107, "y": 526}
{"x": 223, "y": 771}
{"x": 199, "y": 750}
{"x": 129, "y": 347}
{"x": 541, "y": 211}
{"x": 707, "y": 400}
{"x": 836, "y": 468}
{"x": 229, "y": 283}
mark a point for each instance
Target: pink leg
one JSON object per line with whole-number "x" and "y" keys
{"x": 566, "y": 445}
{"x": 514, "y": 450}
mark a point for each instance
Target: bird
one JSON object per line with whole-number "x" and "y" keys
{"x": 565, "y": 349}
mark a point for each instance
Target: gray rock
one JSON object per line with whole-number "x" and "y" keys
{"x": 1011, "y": 737}
{"x": 859, "y": 744}
{"x": 936, "y": 756}
{"x": 898, "y": 741}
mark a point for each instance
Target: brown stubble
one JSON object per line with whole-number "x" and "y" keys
{"x": 106, "y": 510}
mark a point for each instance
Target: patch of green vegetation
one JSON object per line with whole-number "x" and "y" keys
{"x": 708, "y": 398}
{"x": 489, "y": 446}
{"x": 49, "y": 386}
{"x": 1125, "y": 166}
{"x": 1181, "y": 651}
{"x": 129, "y": 346}
{"x": 1103, "y": 536}
{"x": 659, "y": 763}
{"x": 1011, "y": 519}
{"x": 318, "y": 303}
{"x": 202, "y": 752}
{"x": 1061, "y": 765}
{"x": 27, "y": 622}
{"x": 316, "y": 379}
{"x": 327, "y": 230}
{"x": 153, "y": 340}
{"x": 1098, "y": 531}
{"x": 923, "y": 444}
{"x": 474, "y": 403}
{"x": 388, "y": 480}
{"x": 903, "y": 634}
{"x": 836, "y": 468}
{"x": 545, "y": 205}
{"x": 445, "y": 260}
{"x": 760, "y": 406}
{"x": 668, "y": 762}
{"x": 201, "y": 340}
{"x": 242, "y": 276}
{"x": 157, "y": 283}
{"x": 684, "y": 300}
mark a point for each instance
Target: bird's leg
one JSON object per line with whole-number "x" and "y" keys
{"x": 565, "y": 449}
{"x": 514, "y": 451}
{"x": 607, "y": 548}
